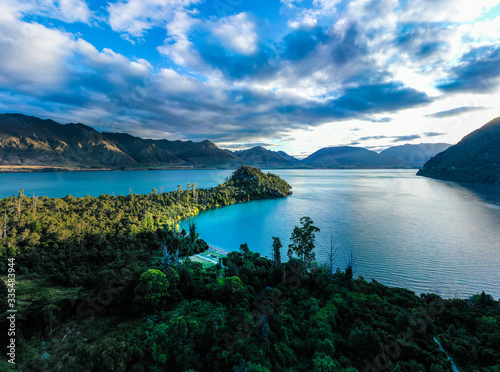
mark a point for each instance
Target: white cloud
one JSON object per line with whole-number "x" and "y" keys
{"x": 485, "y": 31}
{"x": 73, "y": 10}
{"x": 306, "y": 21}
{"x": 237, "y": 32}
{"x": 134, "y": 17}
{"x": 326, "y": 4}
{"x": 177, "y": 47}
{"x": 445, "y": 10}
{"x": 33, "y": 56}
{"x": 170, "y": 82}
{"x": 111, "y": 62}
{"x": 68, "y": 11}
{"x": 308, "y": 17}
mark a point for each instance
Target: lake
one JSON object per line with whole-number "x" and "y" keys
{"x": 402, "y": 230}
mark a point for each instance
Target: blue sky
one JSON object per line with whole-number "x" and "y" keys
{"x": 292, "y": 75}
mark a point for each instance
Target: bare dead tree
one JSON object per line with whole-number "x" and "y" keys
{"x": 33, "y": 204}
{"x": 3, "y": 232}
{"x": 19, "y": 204}
{"x": 332, "y": 255}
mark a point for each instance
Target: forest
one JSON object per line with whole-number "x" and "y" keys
{"x": 106, "y": 284}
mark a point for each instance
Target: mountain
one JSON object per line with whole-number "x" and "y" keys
{"x": 476, "y": 158}
{"x": 27, "y": 141}
{"x": 30, "y": 141}
{"x": 346, "y": 157}
{"x": 262, "y": 158}
{"x": 288, "y": 157}
{"x": 415, "y": 155}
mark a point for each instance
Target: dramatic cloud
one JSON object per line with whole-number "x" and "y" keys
{"x": 241, "y": 73}
{"x": 237, "y": 33}
{"x": 478, "y": 71}
{"x": 34, "y": 58}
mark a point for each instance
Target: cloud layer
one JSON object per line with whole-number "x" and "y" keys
{"x": 244, "y": 75}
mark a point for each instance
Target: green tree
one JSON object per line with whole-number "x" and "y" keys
{"x": 244, "y": 250}
{"x": 276, "y": 251}
{"x": 50, "y": 315}
{"x": 152, "y": 287}
{"x": 192, "y": 232}
{"x": 303, "y": 241}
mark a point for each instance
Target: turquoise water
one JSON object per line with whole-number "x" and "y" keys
{"x": 60, "y": 184}
{"x": 403, "y": 230}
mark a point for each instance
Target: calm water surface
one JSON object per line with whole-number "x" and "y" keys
{"x": 403, "y": 230}
{"x": 60, "y": 184}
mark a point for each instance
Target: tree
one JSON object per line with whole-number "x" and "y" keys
{"x": 192, "y": 231}
{"x": 332, "y": 255}
{"x": 152, "y": 287}
{"x": 244, "y": 250}
{"x": 19, "y": 204}
{"x": 303, "y": 241}
{"x": 349, "y": 272}
{"x": 50, "y": 315}
{"x": 276, "y": 251}
{"x": 195, "y": 195}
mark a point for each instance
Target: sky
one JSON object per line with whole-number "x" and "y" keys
{"x": 290, "y": 75}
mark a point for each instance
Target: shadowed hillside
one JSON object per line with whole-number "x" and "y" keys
{"x": 476, "y": 158}
{"x": 27, "y": 141}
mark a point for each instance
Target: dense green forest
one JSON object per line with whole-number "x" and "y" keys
{"x": 106, "y": 284}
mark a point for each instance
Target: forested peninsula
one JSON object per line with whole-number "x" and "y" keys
{"x": 106, "y": 284}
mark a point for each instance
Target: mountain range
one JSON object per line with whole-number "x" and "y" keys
{"x": 346, "y": 157}
{"x": 31, "y": 143}
{"x": 476, "y": 158}
{"x": 415, "y": 155}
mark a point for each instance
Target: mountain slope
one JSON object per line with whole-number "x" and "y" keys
{"x": 476, "y": 158}
{"x": 346, "y": 157}
{"x": 415, "y": 155}
{"x": 30, "y": 141}
{"x": 26, "y": 140}
{"x": 262, "y": 158}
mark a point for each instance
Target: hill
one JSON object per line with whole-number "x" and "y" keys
{"x": 347, "y": 157}
{"x": 30, "y": 141}
{"x": 253, "y": 183}
{"x": 415, "y": 155}
{"x": 260, "y": 157}
{"x": 476, "y": 158}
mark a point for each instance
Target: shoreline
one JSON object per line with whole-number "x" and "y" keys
{"x": 56, "y": 168}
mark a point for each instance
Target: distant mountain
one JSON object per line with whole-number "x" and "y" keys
{"x": 27, "y": 141}
{"x": 415, "y": 155}
{"x": 476, "y": 158}
{"x": 262, "y": 158}
{"x": 30, "y": 141}
{"x": 288, "y": 157}
{"x": 346, "y": 157}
